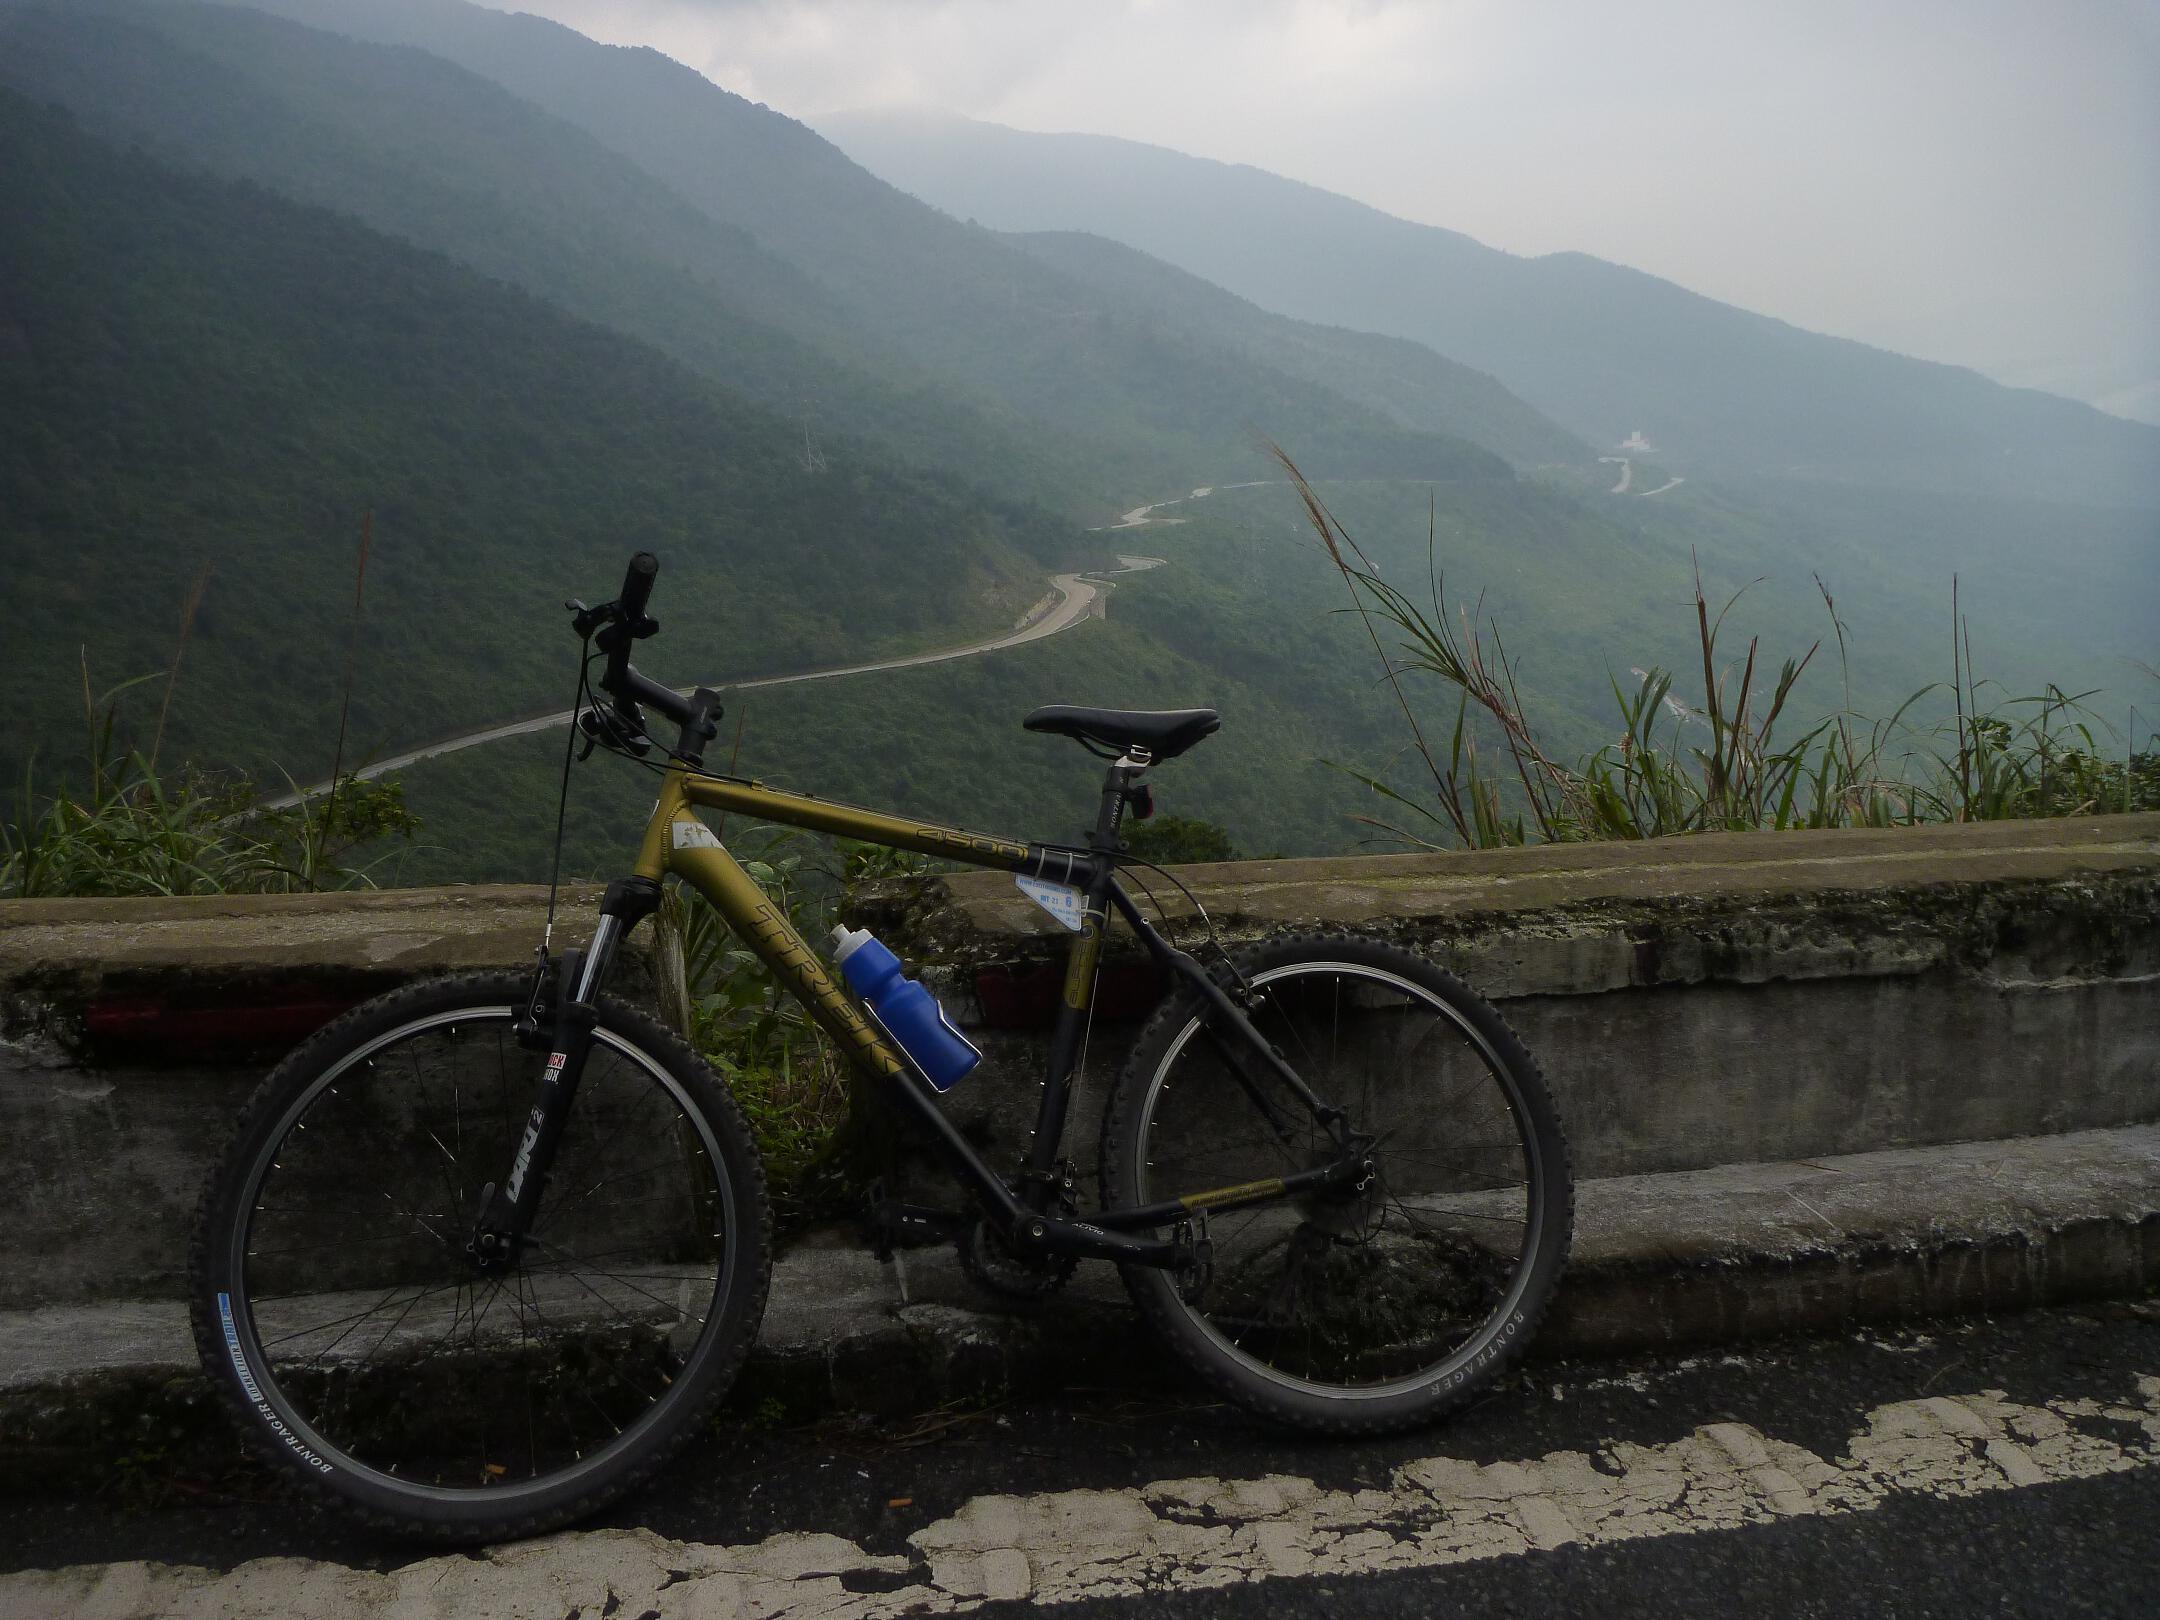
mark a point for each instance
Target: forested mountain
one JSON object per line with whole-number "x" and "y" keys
{"x": 534, "y": 302}
{"x": 1132, "y": 400}
{"x": 197, "y": 372}
{"x": 418, "y": 147}
{"x": 1407, "y": 380}
{"x": 1602, "y": 349}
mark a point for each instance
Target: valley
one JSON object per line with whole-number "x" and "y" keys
{"x": 342, "y": 339}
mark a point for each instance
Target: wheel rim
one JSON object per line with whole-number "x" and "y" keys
{"x": 1415, "y": 1280}
{"x": 375, "y": 1350}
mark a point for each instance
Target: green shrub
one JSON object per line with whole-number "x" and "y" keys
{"x": 129, "y": 828}
{"x": 793, "y": 1087}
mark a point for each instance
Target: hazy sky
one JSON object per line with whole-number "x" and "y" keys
{"x": 1967, "y": 180}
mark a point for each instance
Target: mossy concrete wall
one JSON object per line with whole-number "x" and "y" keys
{"x": 1728, "y": 999}
{"x": 132, "y": 1030}
{"x": 1695, "y": 1002}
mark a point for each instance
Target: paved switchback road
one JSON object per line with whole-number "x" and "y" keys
{"x": 1072, "y": 597}
{"x": 2006, "y": 1467}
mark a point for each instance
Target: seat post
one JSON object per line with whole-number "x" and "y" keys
{"x": 1116, "y": 790}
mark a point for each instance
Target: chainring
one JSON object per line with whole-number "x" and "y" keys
{"x": 991, "y": 1264}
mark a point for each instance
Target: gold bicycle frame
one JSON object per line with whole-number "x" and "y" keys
{"x": 677, "y": 841}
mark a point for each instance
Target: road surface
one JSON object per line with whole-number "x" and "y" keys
{"x": 1999, "y": 1467}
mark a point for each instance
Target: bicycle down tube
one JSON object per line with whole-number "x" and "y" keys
{"x": 677, "y": 841}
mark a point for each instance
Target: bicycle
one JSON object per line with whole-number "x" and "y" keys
{"x": 486, "y": 1251}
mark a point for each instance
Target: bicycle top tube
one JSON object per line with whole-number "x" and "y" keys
{"x": 673, "y": 827}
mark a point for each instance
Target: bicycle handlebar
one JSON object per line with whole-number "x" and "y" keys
{"x": 637, "y": 586}
{"x": 630, "y": 621}
{"x": 625, "y": 685}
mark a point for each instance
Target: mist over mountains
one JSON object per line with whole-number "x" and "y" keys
{"x": 535, "y": 302}
{"x": 1603, "y": 349}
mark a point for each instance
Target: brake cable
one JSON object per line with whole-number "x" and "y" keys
{"x": 562, "y": 797}
{"x": 1127, "y": 863}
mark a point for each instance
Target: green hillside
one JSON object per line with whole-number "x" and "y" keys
{"x": 1601, "y": 348}
{"x": 943, "y": 741}
{"x": 421, "y": 149}
{"x": 196, "y": 372}
{"x": 1134, "y": 401}
{"x": 1246, "y": 616}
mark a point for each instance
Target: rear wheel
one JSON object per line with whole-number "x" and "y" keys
{"x": 337, "y": 1306}
{"x": 1397, "y": 1294}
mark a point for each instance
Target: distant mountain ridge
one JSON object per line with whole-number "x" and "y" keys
{"x": 422, "y": 149}
{"x": 1602, "y": 349}
{"x": 1417, "y": 387}
{"x": 1133, "y": 402}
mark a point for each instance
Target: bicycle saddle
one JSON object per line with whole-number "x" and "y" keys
{"x": 1164, "y": 733}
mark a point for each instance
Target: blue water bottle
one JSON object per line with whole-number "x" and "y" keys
{"x": 909, "y": 1013}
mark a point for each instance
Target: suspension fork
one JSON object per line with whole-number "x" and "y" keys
{"x": 507, "y": 1215}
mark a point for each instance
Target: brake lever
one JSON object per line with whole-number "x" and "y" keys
{"x": 589, "y": 620}
{"x": 610, "y": 726}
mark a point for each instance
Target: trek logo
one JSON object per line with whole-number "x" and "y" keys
{"x": 525, "y": 1147}
{"x": 782, "y": 948}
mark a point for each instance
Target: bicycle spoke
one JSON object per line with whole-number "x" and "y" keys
{"x": 611, "y": 1276}
{"x": 1358, "y": 1282}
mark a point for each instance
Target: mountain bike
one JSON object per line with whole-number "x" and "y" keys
{"x": 487, "y": 1250}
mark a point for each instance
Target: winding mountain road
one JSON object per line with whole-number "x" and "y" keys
{"x": 1071, "y": 598}
{"x": 1627, "y": 479}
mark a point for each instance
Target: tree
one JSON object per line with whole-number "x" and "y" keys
{"x": 1169, "y": 840}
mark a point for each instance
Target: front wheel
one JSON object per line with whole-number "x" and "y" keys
{"x": 1391, "y": 1296}
{"x": 340, "y": 1311}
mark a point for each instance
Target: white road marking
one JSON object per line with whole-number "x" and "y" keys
{"x": 1175, "y": 1535}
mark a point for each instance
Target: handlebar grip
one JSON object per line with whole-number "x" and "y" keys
{"x": 637, "y": 588}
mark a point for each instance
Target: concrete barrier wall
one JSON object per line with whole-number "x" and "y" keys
{"x": 131, "y": 1031}
{"x": 1694, "y": 1002}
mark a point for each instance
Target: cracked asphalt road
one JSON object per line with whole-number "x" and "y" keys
{"x": 1997, "y": 1467}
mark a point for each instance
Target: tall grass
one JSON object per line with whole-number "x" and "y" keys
{"x": 1719, "y": 764}
{"x": 128, "y": 827}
